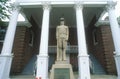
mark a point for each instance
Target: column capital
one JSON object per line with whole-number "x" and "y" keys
{"x": 16, "y": 6}
{"x": 110, "y": 5}
{"x": 78, "y": 5}
{"x": 46, "y": 5}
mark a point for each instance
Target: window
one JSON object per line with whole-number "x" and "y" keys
{"x": 2, "y": 33}
{"x": 31, "y": 38}
{"x": 95, "y": 40}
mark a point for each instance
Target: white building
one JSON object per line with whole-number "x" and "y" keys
{"x": 46, "y": 13}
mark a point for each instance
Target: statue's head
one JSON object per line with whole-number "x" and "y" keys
{"x": 62, "y": 21}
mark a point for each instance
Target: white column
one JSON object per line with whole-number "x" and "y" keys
{"x": 6, "y": 56}
{"x": 115, "y": 29}
{"x": 42, "y": 60}
{"x": 83, "y": 58}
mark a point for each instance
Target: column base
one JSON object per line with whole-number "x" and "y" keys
{"x": 5, "y": 65}
{"x": 84, "y": 70}
{"x": 117, "y": 61}
{"x": 42, "y": 67}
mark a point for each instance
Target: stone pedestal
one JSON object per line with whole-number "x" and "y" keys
{"x": 61, "y": 70}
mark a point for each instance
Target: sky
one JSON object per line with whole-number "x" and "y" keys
{"x": 117, "y": 10}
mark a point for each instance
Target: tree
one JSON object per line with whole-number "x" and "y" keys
{"x": 4, "y": 9}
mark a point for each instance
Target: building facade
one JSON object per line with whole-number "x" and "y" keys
{"x": 91, "y": 40}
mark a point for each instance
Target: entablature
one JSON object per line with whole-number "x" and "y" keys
{"x": 87, "y": 3}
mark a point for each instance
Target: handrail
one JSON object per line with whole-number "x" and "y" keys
{"x": 70, "y": 49}
{"x": 91, "y": 65}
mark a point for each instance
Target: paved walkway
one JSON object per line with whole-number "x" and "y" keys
{"x": 76, "y": 77}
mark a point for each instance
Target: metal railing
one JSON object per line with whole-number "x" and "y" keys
{"x": 91, "y": 65}
{"x": 70, "y": 49}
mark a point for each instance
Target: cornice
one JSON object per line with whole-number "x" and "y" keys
{"x": 102, "y": 23}
{"x": 20, "y": 23}
{"x": 78, "y": 5}
{"x": 110, "y": 5}
{"x": 46, "y": 5}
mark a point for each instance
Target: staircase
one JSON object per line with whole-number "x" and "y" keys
{"x": 29, "y": 68}
{"x": 76, "y": 76}
{"x": 97, "y": 68}
{"x": 23, "y": 77}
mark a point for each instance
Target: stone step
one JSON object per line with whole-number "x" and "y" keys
{"x": 97, "y": 68}
{"x": 103, "y": 77}
{"x": 23, "y": 77}
{"x": 76, "y": 77}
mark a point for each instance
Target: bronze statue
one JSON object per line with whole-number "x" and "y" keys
{"x": 62, "y": 35}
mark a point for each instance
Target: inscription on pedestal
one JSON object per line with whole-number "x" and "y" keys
{"x": 62, "y": 73}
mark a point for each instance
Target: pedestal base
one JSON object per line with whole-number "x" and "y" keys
{"x": 117, "y": 60}
{"x": 84, "y": 70}
{"x": 42, "y": 67}
{"x": 5, "y": 65}
{"x": 61, "y": 71}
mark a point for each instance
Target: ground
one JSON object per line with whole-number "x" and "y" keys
{"x": 76, "y": 75}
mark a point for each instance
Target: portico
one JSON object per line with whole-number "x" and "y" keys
{"x": 46, "y": 15}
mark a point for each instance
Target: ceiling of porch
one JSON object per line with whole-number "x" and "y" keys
{"x": 67, "y": 12}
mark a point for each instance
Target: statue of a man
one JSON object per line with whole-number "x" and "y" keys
{"x": 62, "y": 35}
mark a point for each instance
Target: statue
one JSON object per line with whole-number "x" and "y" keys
{"x": 62, "y": 35}
{"x": 61, "y": 69}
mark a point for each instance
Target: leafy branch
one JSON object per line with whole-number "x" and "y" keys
{"x": 5, "y": 8}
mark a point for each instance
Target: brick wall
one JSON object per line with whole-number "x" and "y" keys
{"x": 99, "y": 48}
{"x": 21, "y": 50}
{"x": 103, "y": 49}
{"x": 108, "y": 49}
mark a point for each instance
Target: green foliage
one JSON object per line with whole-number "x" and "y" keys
{"x": 4, "y": 9}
